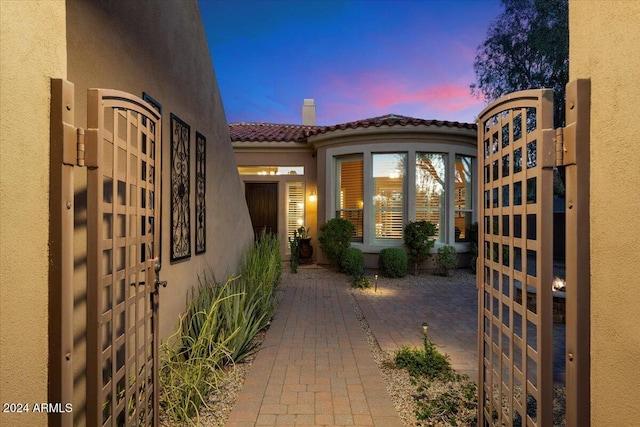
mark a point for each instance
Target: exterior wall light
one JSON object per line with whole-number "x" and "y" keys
{"x": 313, "y": 197}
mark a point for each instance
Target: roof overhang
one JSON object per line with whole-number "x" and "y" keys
{"x": 420, "y": 133}
{"x": 271, "y": 146}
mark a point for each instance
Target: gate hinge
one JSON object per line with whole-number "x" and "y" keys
{"x": 578, "y": 101}
{"x": 558, "y": 141}
{"x": 73, "y": 148}
{"x": 565, "y": 143}
{"x": 80, "y": 147}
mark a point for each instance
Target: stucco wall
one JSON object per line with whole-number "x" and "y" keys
{"x": 160, "y": 48}
{"x": 32, "y": 50}
{"x": 604, "y": 47}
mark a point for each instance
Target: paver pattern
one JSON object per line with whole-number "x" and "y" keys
{"x": 315, "y": 367}
{"x": 449, "y": 305}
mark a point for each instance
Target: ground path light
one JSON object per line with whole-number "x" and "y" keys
{"x": 425, "y": 327}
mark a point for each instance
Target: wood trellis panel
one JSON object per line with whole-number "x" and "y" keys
{"x": 515, "y": 260}
{"x": 123, "y": 155}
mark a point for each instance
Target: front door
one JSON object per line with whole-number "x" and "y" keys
{"x": 262, "y": 201}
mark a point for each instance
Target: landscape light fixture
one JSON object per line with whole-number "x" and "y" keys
{"x": 375, "y": 283}
{"x": 425, "y": 327}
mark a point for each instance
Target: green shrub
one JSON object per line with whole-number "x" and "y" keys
{"x": 393, "y": 262}
{"x": 446, "y": 259}
{"x": 425, "y": 362}
{"x": 335, "y": 237}
{"x": 418, "y": 238}
{"x": 352, "y": 263}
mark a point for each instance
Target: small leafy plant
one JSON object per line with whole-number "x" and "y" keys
{"x": 447, "y": 260}
{"x": 393, "y": 262}
{"x": 362, "y": 283}
{"x": 425, "y": 362}
{"x": 442, "y": 396}
{"x": 456, "y": 406}
{"x": 418, "y": 238}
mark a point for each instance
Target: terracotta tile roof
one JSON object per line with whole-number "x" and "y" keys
{"x": 268, "y": 132}
{"x": 390, "y": 120}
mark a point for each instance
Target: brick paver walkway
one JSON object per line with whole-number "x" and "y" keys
{"x": 449, "y": 305}
{"x": 315, "y": 367}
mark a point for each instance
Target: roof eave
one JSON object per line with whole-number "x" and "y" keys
{"x": 422, "y": 131}
{"x": 288, "y": 146}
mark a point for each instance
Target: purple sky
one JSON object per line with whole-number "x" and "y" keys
{"x": 356, "y": 58}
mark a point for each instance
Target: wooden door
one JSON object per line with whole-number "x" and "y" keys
{"x": 262, "y": 201}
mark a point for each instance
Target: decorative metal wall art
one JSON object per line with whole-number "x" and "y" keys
{"x": 180, "y": 178}
{"x": 201, "y": 231}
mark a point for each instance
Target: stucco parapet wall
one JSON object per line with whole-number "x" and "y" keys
{"x": 390, "y": 134}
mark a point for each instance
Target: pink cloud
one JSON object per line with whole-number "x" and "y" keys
{"x": 379, "y": 92}
{"x": 446, "y": 97}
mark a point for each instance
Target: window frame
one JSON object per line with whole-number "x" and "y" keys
{"x": 374, "y": 210}
{"x": 337, "y": 196}
{"x": 471, "y": 192}
{"x": 371, "y": 245}
{"x": 288, "y": 185}
{"x": 443, "y": 223}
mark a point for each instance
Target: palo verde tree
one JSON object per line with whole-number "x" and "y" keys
{"x": 527, "y": 47}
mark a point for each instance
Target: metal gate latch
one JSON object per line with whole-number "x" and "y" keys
{"x": 156, "y": 267}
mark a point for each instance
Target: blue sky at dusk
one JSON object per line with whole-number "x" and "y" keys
{"x": 356, "y": 58}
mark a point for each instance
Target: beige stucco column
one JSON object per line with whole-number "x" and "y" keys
{"x": 33, "y": 49}
{"x": 604, "y": 47}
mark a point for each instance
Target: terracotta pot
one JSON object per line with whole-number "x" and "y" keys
{"x": 305, "y": 250}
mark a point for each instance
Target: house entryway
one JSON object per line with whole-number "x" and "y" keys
{"x": 262, "y": 201}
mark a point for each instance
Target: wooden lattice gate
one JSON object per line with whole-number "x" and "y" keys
{"x": 123, "y": 222}
{"x": 121, "y": 151}
{"x": 515, "y": 143}
{"x": 517, "y": 151}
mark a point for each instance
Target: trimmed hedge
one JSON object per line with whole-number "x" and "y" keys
{"x": 352, "y": 263}
{"x": 393, "y": 262}
{"x": 447, "y": 260}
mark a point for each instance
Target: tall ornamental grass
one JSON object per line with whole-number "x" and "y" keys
{"x": 217, "y": 329}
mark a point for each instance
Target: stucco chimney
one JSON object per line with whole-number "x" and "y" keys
{"x": 309, "y": 112}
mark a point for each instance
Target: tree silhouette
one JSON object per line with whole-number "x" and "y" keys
{"x": 527, "y": 47}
